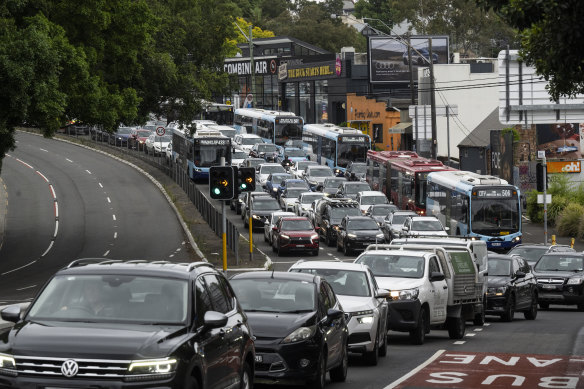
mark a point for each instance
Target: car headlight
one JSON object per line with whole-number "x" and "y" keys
{"x": 255, "y": 217}
{"x": 313, "y": 183}
{"x": 275, "y": 189}
{"x": 337, "y": 171}
{"x": 7, "y": 365}
{"x": 406, "y": 294}
{"x": 285, "y": 237}
{"x": 300, "y": 334}
{"x": 380, "y": 236}
{"x": 151, "y": 369}
{"x": 314, "y": 237}
{"x": 352, "y": 236}
{"x": 575, "y": 281}
{"x": 500, "y": 291}
{"x": 197, "y": 170}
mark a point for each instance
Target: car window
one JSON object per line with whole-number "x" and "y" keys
{"x": 433, "y": 266}
{"x": 331, "y": 294}
{"x": 324, "y": 299}
{"x": 394, "y": 265}
{"x": 499, "y": 267}
{"x": 202, "y": 302}
{"x": 220, "y": 300}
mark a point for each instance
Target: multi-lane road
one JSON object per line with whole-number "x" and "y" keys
{"x": 67, "y": 202}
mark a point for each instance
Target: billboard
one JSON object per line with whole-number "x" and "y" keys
{"x": 559, "y": 140}
{"x": 388, "y": 56}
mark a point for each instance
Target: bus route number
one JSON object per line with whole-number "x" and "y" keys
{"x": 494, "y": 193}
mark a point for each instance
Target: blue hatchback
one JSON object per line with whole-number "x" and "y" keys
{"x": 291, "y": 183}
{"x": 273, "y": 182}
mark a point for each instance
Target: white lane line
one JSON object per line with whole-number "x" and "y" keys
{"x": 114, "y": 216}
{"x": 46, "y": 151}
{"x": 27, "y": 287}
{"x": 56, "y": 210}
{"x": 48, "y": 248}
{"x": 56, "y": 229}
{"x": 415, "y": 370}
{"x": 471, "y": 334}
{"x": 486, "y": 324}
{"x": 18, "y": 268}
{"x": 68, "y": 160}
{"x": 101, "y": 186}
{"x": 106, "y": 253}
{"x": 88, "y": 171}
{"x": 527, "y": 233}
{"x": 108, "y": 200}
{"x": 24, "y": 163}
{"x": 477, "y": 329}
{"x": 53, "y": 191}
{"x": 459, "y": 342}
{"x": 171, "y": 255}
{"x": 329, "y": 254}
{"x": 115, "y": 235}
{"x": 177, "y": 250}
{"x": 42, "y": 175}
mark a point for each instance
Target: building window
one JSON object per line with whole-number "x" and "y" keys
{"x": 378, "y": 133}
{"x": 321, "y": 101}
{"x": 290, "y": 92}
{"x": 306, "y": 110}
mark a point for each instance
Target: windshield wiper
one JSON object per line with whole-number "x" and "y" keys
{"x": 299, "y": 311}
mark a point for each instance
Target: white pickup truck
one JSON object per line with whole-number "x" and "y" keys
{"x": 430, "y": 286}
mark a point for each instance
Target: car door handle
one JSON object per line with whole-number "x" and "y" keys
{"x": 445, "y": 287}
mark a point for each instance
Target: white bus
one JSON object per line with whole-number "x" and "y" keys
{"x": 272, "y": 126}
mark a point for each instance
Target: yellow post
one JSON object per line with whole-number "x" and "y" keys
{"x": 224, "y": 251}
{"x": 553, "y": 239}
{"x": 572, "y": 241}
{"x": 250, "y": 237}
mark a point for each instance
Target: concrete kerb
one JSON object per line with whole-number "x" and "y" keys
{"x": 155, "y": 182}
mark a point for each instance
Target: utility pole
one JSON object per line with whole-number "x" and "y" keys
{"x": 432, "y": 100}
{"x": 413, "y": 96}
{"x": 252, "y": 70}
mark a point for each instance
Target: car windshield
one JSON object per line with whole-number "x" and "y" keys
{"x": 239, "y": 155}
{"x": 272, "y": 169}
{"x": 250, "y": 141}
{"x": 382, "y": 211}
{"x": 296, "y": 225}
{"x": 365, "y": 224}
{"x": 339, "y": 213}
{"x": 427, "y": 225}
{"x": 296, "y": 184}
{"x": 113, "y": 298}
{"x": 277, "y": 179}
{"x": 360, "y": 168}
{"x": 228, "y": 133}
{"x": 309, "y": 198}
{"x": 531, "y": 254}
{"x": 567, "y": 263}
{"x": 266, "y": 147}
{"x": 499, "y": 267}
{"x": 254, "y": 162}
{"x": 293, "y": 143}
{"x": 343, "y": 282}
{"x": 164, "y": 138}
{"x": 267, "y": 204}
{"x": 143, "y": 133}
{"x": 321, "y": 172}
{"x": 356, "y": 188}
{"x": 390, "y": 265}
{"x": 294, "y": 193}
{"x": 295, "y": 153}
{"x": 333, "y": 183}
{"x": 274, "y": 295}
{"x": 399, "y": 219}
{"x": 124, "y": 130}
{"x": 303, "y": 164}
{"x": 371, "y": 200}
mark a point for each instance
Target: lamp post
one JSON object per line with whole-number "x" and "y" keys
{"x": 251, "y": 64}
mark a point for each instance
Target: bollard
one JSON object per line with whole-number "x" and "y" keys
{"x": 572, "y": 241}
{"x": 553, "y": 240}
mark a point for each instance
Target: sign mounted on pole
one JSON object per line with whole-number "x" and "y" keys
{"x": 160, "y": 131}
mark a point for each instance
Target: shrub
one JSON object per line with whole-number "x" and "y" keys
{"x": 570, "y": 219}
{"x": 559, "y": 203}
{"x": 534, "y": 210}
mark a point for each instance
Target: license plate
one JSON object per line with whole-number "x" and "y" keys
{"x": 549, "y": 286}
{"x": 496, "y": 244}
{"x": 504, "y": 232}
{"x": 300, "y": 245}
{"x": 259, "y": 358}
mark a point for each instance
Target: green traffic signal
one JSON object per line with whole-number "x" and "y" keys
{"x": 221, "y": 182}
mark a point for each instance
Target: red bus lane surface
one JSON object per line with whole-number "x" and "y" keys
{"x": 447, "y": 369}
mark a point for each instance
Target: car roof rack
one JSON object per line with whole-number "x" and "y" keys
{"x": 195, "y": 265}
{"x": 83, "y": 262}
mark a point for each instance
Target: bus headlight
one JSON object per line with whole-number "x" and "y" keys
{"x": 517, "y": 239}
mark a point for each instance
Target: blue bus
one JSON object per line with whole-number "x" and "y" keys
{"x": 335, "y": 146}
{"x": 476, "y": 205}
{"x": 272, "y": 126}
{"x": 197, "y": 153}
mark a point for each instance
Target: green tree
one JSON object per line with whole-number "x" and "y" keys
{"x": 551, "y": 39}
{"x": 377, "y": 9}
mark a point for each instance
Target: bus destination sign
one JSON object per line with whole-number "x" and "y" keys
{"x": 494, "y": 193}
{"x": 291, "y": 120}
{"x": 352, "y": 139}
{"x": 213, "y": 142}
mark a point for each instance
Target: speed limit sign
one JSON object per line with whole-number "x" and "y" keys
{"x": 160, "y": 131}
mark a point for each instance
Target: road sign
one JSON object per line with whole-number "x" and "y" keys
{"x": 160, "y": 131}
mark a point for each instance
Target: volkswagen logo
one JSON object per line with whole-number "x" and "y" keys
{"x": 69, "y": 368}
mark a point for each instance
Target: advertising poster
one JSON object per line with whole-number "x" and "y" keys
{"x": 559, "y": 140}
{"x": 389, "y": 61}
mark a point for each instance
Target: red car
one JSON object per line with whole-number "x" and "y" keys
{"x": 138, "y": 138}
{"x": 294, "y": 234}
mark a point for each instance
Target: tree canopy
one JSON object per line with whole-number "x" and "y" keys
{"x": 550, "y": 39}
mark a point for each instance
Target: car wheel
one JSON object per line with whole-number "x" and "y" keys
{"x": 315, "y": 253}
{"x": 383, "y": 346}
{"x": 246, "y": 377}
{"x": 418, "y": 334}
{"x": 543, "y": 305}
{"x": 479, "y": 319}
{"x": 320, "y": 380}
{"x": 532, "y": 313}
{"x": 509, "y": 309}
{"x": 280, "y": 251}
{"x": 346, "y": 250}
{"x": 372, "y": 357}
{"x": 339, "y": 373}
{"x": 581, "y": 307}
{"x": 339, "y": 249}
{"x": 456, "y": 327}
{"x": 192, "y": 383}
{"x": 327, "y": 239}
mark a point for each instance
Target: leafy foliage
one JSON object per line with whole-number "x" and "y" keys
{"x": 568, "y": 221}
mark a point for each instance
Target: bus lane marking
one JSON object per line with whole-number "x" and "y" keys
{"x": 453, "y": 369}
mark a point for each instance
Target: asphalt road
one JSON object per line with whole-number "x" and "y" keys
{"x": 67, "y": 202}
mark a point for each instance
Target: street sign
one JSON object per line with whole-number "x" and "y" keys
{"x": 160, "y": 131}
{"x": 548, "y": 199}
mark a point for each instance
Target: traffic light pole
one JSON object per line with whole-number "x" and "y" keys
{"x": 250, "y": 228}
{"x": 224, "y": 227}
{"x": 545, "y": 229}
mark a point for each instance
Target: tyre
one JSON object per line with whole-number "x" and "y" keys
{"x": 372, "y": 357}
{"x": 280, "y": 251}
{"x": 320, "y": 380}
{"x": 192, "y": 383}
{"x": 509, "y": 309}
{"x": 315, "y": 253}
{"x": 339, "y": 373}
{"x": 383, "y": 345}
{"x": 339, "y": 249}
{"x": 246, "y": 378}
{"x": 581, "y": 307}
{"x": 543, "y": 305}
{"x": 346, "y": 250}
{"x": 532, "y": 313}
{"x": 418, "y": 334}
{"x": 328, "y": 239}
{"x": 479, "y": 319}
{"x": 456, "y": 327}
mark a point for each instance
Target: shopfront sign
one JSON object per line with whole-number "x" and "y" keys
{"x": 313, "y": 71}
{"x": 563, "y": 166}
{"x": 261, "y": 66}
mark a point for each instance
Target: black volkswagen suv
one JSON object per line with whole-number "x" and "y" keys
{"x": 133, "y": 324}
{"x": 357, "y": 232}
{"x": 560, "y": 279}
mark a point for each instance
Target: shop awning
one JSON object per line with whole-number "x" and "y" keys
{"x": 401, "y": 128}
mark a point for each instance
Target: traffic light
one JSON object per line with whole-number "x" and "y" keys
{"x": 221, "y": 182}
{"x": 539, "y": 177}
{"x": 246, "y": 179}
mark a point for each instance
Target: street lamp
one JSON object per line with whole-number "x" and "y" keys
{"x": 251, "y": 69}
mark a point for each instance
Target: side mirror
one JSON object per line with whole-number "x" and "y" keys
{"x": 382, "y": 293}
{"x": 446, "y": 228}
{"x": 405, "y": 229}
{"x": 319, "y": 188}
{"x": 436, "y": 276}
{"x": 275, "y": 229}
{"x": 11, "y": 313}
{"x": 333, "y": 314}
{"x": 317, "y": 228}
{"x": 519, "y": 274}
{"x": 214, "y": 319}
